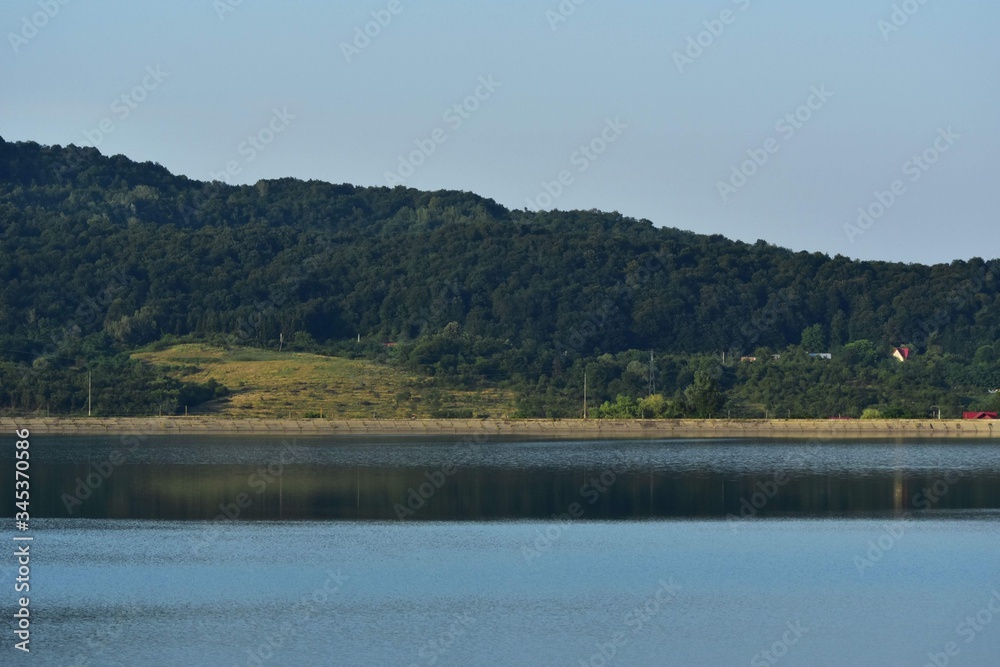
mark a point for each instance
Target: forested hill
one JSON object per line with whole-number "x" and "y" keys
{"x": 102, "y": 254}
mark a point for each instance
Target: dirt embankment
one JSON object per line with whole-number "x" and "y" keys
{"x": 575, "y": 428}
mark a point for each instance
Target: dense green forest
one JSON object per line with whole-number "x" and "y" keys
{"x": 103, "y": 255}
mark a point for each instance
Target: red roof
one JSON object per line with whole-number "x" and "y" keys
{"x": 979, "y": 415}
{"x": 904, "y": 352}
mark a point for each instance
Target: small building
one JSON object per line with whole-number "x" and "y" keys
{"x": 902, "y": 354}
{"x": 820, "y": 355}
{"x": 979, "y": 415}
{"x": 748, "y": 360}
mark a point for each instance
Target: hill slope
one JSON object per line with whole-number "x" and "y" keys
{"x": 99, "y": 255}
{"x": 268, "y": 384}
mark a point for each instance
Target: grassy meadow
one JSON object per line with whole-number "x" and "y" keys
{"x": 271, "y": 384}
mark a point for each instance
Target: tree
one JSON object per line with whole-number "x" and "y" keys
{"x": 476, "y": 295}
{"x": 651, "y": 407}
{"x": 623, "y": 408}
{"x": 703, "y": 398}
{"x": 814, "y": 338}
{"x": 862, "y": 352}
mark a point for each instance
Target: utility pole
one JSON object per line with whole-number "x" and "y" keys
{"x": 652, "y": 371}
{"x": 89, "y": 391}
{"x": 585, "y": 394}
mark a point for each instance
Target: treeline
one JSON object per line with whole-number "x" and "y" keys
{"x": 790, "y": 384}
{"x": 100, "y": 255}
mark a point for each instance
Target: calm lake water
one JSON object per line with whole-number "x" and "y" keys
{"x": 222, "y": 551}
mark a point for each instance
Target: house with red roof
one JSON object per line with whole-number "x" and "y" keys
{"x": 979, "y": 415}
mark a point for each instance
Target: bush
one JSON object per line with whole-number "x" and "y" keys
{"x": 194, "y": 393}
{"x": 623, "y": 408}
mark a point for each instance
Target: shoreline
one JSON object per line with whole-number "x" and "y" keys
{"x": 554, "y": 428}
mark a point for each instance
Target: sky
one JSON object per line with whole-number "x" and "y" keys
{"x": 867, "y": 128}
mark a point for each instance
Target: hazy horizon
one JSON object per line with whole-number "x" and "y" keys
{"x": 885, "y": 107}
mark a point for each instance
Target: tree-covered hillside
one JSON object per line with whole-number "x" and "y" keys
{"x": 101, "y": 255}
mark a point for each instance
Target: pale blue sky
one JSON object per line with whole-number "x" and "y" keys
{"x": 685, "y": 131}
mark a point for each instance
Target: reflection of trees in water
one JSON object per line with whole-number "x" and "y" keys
{"x": 350, "y": 492}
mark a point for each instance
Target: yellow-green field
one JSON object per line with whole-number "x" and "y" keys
{"x": 270, "y": 384}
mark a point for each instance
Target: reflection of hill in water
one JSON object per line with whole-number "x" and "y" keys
{"x": 441, "y": 480}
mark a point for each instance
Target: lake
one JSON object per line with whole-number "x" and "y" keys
{"x": 437, "y": 551}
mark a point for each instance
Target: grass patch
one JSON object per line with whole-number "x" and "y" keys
{"x": 269, "y": 384}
